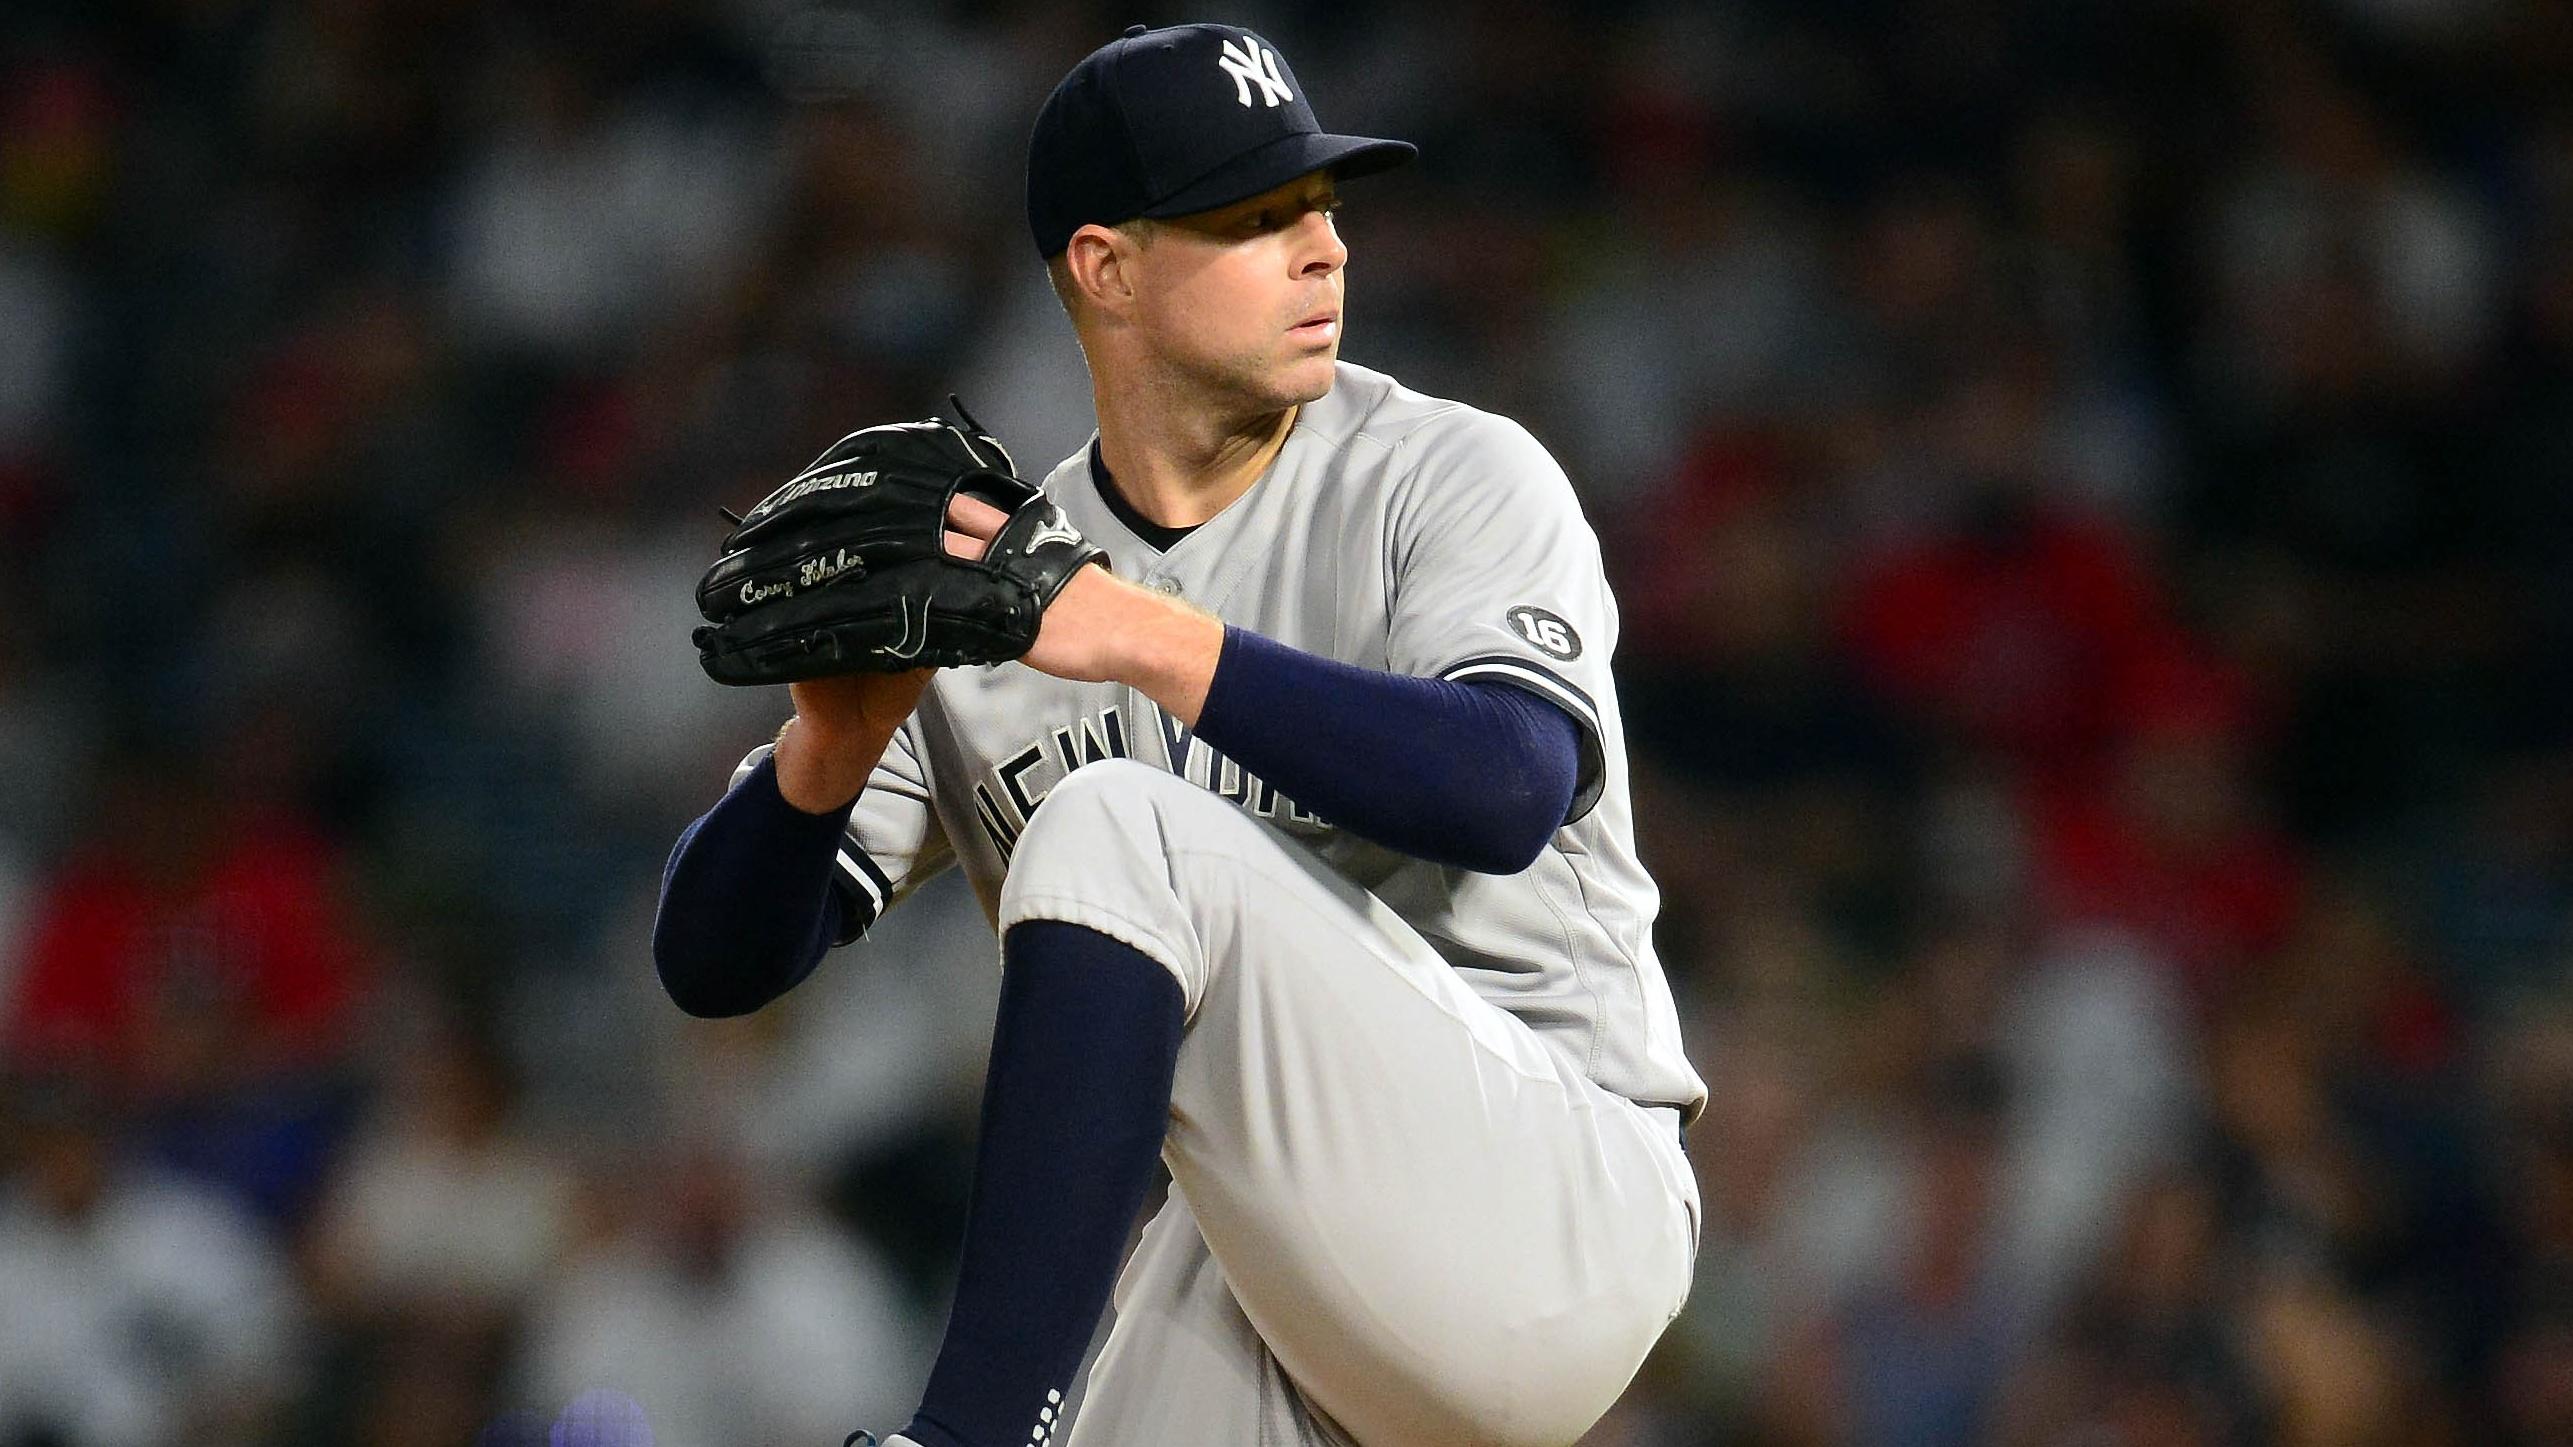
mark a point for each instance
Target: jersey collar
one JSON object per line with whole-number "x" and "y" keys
{"x": 1160, "y": 538}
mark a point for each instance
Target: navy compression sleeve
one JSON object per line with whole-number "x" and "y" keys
{"x": 747, "y": 906}
{"x": 1478, "y": 775}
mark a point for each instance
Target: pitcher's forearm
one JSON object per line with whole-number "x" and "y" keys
{"x": 747, "y": 907}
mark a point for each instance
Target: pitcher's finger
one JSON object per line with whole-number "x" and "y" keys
{"x": 962, "y": 546}
{"x": 975, "y": 516}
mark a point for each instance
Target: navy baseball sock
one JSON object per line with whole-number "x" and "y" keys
{"x": 1074, "y": 1109}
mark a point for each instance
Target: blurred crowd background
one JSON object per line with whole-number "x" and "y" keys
{"x": 2090, "y": 484}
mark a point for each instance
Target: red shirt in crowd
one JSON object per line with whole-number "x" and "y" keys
{"x": 135, "y": 963}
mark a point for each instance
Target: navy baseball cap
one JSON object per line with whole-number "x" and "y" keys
{"x": 1167, "y": 122}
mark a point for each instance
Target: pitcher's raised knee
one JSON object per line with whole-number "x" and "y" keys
{"x": 1100, "y": 851}
{"x": 1114, "y": 804}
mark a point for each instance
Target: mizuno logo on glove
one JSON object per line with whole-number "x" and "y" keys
{"x": 807, "y": 486}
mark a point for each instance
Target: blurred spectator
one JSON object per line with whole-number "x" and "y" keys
{"x": 442, "y": 1221}
{"x": 586, "y": 212}
{"x": 2097, "y": 1043}
{"x": 728, "y": 1309}
{"x": 1747, "y": 271}
{"x": 2378, "y": 272}
{"x": 439, "y": 1210}
{"x": 576, "y": 625}
{"x": 1919, "y": 1356}
{"x": 2149, "y": 1351}
{"x": 2173, "y": 844}
{"x": 192, "y": 956}
{"x": 141, "y": 1309}
{"x": 184, "y": 914}
{"x": 2011, "y": 624}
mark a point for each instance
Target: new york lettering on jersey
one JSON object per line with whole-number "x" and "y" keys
{"x": 1007, "y": 793}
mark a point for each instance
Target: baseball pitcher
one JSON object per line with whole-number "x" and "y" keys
{"x": 1276, "y": 734}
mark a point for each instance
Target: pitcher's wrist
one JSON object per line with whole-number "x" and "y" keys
{"x": 1174, "y": 651}
{"x": 818, "y": 773}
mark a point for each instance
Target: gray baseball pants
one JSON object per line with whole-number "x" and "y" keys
{"x": 1398, "y": 1219}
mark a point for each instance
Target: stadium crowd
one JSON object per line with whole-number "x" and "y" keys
{"x": 2091, "y": 490}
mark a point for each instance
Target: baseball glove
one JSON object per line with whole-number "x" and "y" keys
{"x": 844, "y": 570}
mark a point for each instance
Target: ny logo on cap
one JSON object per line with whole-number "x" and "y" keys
{"x": 1251, "y": 65}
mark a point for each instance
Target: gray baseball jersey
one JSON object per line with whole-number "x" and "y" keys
{"x": 1395, "y": 531}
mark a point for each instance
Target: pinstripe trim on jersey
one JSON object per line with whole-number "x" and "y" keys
{"x": 1545, "y": 683}
{"x": 861, "y": 884}
{"x": 863, "y": 888}
{"x": 863, "y": 872}
{"x": 1536, "y": 677}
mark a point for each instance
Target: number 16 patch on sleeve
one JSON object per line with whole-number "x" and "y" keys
{"x": 1546, "y": 630}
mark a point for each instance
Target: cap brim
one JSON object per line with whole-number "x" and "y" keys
{"x": 1281, "y": 161}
